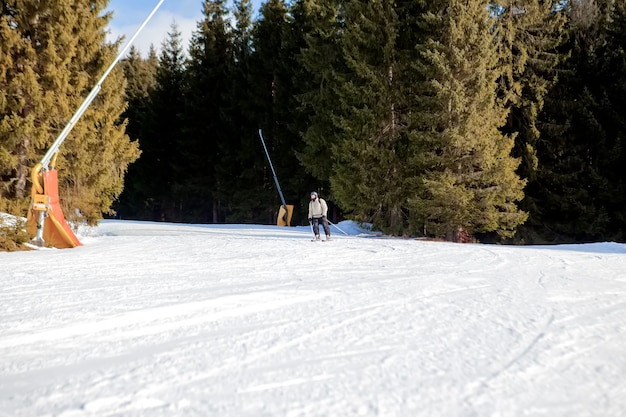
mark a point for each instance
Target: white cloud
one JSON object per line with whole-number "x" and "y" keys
{"x": 155, "y": 32}
{"x": 185, "y": 13}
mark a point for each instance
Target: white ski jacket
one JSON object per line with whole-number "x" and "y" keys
{"x": 317, "y": 208}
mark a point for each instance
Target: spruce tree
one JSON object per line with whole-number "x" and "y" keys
{"x": 581, "y": 179}
{"x": 54, "y": 54}
{"x": 272, "y": 90}
{"x": 531, "y": 32}
{"x": 322, "y": 58}
{"x": 292, "y": 117}
{"x": 141, "y": 80}
{"x": 531, "y": 36}
{"x": 468, "y": 180}
{"x": 162, "y": 162}
{"x": 615, "y": 170}
{"x": 298, "y": 81}
{"x": 19, "y": 96}
{"x": 205, "y": 100}
{"x": 372, "y": 118}
{"x": 141, "y": 76}
{"x": 241, "y": 162}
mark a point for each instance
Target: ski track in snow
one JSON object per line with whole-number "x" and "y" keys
{"x": 151, "y": 319}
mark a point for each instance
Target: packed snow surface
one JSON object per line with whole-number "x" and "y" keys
{"x": 153, "y": 319}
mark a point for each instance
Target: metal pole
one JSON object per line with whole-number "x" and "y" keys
{"x": 280, "y": 192}
{"x": 94, "y": 92}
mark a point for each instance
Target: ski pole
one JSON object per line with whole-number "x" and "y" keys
{"x": 338, "y": 228}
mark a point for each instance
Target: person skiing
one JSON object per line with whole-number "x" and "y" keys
{"x": 317, "y": 211}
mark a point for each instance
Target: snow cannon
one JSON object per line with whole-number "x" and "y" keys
{"x": 45, "y": 220}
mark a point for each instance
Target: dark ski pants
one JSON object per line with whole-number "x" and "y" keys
{"x": 316, "y": 226}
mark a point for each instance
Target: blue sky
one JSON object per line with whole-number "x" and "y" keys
{"x": 129, "y": 14}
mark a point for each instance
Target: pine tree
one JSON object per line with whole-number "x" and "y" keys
{"x": 469, "y": 181}
{"x": 531, "y": 35}
{"x": 531, "y": 32}
{"x": 160, "y": 165}
{"x": 580, "y": 193}
{"x": 141, "y": 76}
{"x": 141, "y": 80}
{"x": 19, "y": 96}
{"x": 272, "y": 91}
{"x": 55, "y": 53}
{"x": 322, "y": 58}
{"x": 207, "y": 89}
{"x": 372, "y": 118}
{"x": 298, "y": 80}
{"x": 241, "y": 162}
{"x": 616, "y": 91}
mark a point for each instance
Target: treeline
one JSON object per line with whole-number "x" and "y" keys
{"x": 495, "y": 120}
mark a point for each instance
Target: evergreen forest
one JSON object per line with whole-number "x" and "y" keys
{"x": 467, "y": 120}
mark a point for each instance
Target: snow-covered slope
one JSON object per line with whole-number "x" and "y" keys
{"x": 150, "y": 319}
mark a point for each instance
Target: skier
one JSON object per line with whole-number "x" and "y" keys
{"x": 317, "y": 211}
